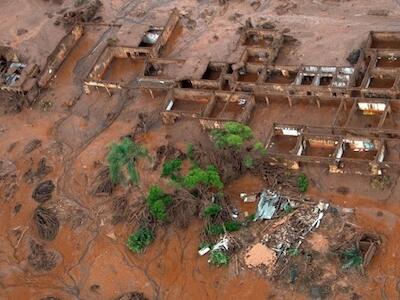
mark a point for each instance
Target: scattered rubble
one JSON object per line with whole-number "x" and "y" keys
{"x": 102, "y": 184}
{"x": 132, "y": 296}
{"x": 354, "y": 56}
{"x": 81, "y": 14}
{"x": 32, "y": 145}
{"x": 46, "y": 222}
{"x": 380, "y": 182}
{"x": 40, "y": 259}
{"x": 8, "y": 180}
{"x": 43, "y": 191}
{"x": 166, "y": 152}
{"x": 145, "y": 122}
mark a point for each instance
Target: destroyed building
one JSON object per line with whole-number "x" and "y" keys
{"x": 359, "y": 102}
{"x": 24, "y": 80}
{"x": 16, "y": 77}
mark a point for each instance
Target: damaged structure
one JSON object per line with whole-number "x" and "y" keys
{"x": 17, "y": 78}
{"x": 359, "y": 102}
{"x": 343, "y": 150}
{"x": 120, "y": 64}
{"x": 22, "y": 80}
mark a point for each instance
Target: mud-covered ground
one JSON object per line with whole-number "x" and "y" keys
{"x": 91, "y": 257}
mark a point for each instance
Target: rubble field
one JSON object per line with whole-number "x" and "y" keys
{"x": 199, "y": 149}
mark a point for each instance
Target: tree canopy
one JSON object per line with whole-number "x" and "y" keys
{"x": 232, "y": 135}
{"x": 208, "y": 177}
{"x": 124, "y": 155}
{"x": 158, "y": 202}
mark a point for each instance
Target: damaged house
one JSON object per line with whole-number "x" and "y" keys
{"x": 17, "y": 78}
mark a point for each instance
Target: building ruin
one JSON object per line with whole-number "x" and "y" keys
{"x": 360, "y": 103}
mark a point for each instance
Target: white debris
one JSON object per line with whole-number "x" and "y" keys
{"x": 223, "y": 244}
{"x": 204, "y": 250}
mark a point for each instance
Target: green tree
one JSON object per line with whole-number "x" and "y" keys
{"x": 125, "y": 155}
{"x": 248, "y": 162}
{"x": 232, "y": 135}
{"x": 302, "y": 183}
{"x": 171, "y": 168}
{"x": 142, "y": 238}
{"x": 158, "y": 202}
{"x": 208, "y": 177}
{"x": 231, "y": 226}
{"x": 212, "y": 210}
{"x": 218, "y": 258}
{"x": 352, "y": 258}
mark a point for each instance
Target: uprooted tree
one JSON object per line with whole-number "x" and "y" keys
{"x": 122, "y": 160}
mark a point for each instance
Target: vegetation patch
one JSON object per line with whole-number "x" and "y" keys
{"x": 219, "y": 258}
{"x": 232, "y": 226}
{"x": 208, "y": 177}
{"x": 158, "y": 203}
{"x": 212, "y": 210}
{"x": 171, "y": 169}
{"x": 232, "y": 135}
{"x": 302, "y": 183}
{"x": 139, "y": 241}
{"x": 352, "y": 258}
{"x": 122, "y": 159}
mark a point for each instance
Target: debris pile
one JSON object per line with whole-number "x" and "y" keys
{"x": 291, "y": 233}
{"x": 84, "y": 13}
{"x": 359, "y": 250}
{"x": 8, "y": 179}
{"x": 287, "y": 223}
{"x": 132, "y": 296}
{"x": 102, "y": 184}
{"x": 145, "y": 122}
{"x": 40, "y": 259}
{"x": 43, "y": 191}
{"x": 32, "y": 145}
{"x": 271, "y": 204}
{"x": 42, "y": 170}
{"x": 167, "y": 152}
{"x": 46, "y": 222}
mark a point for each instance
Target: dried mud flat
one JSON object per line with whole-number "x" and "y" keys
{"x": 81, "y": 254}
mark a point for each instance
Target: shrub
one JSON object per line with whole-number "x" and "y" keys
{"x": 232, "y": 135}
{"x": 190, "y": 151}
{"x": 231, "y": 226}
{"x": 302, "y": 183}
{"x": 219, "y": 258}
{"x": 352, "y": 258}
{"x": 158, "y": 203}
{"x": 250, "y": 218}
{"x": 171, "y": 168}
{"x": 212, "y": 210}
{"x": 287, "y": 208}
{"x": 215, "y": 229}
{"x": 208, "y": 177}
{"x": 142, "y": 238}
{"x": 124, "y": 155}
{"x": 248, "y": 162}
{"x": 258, "y": 146}
{"x": 293, "y": 251}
